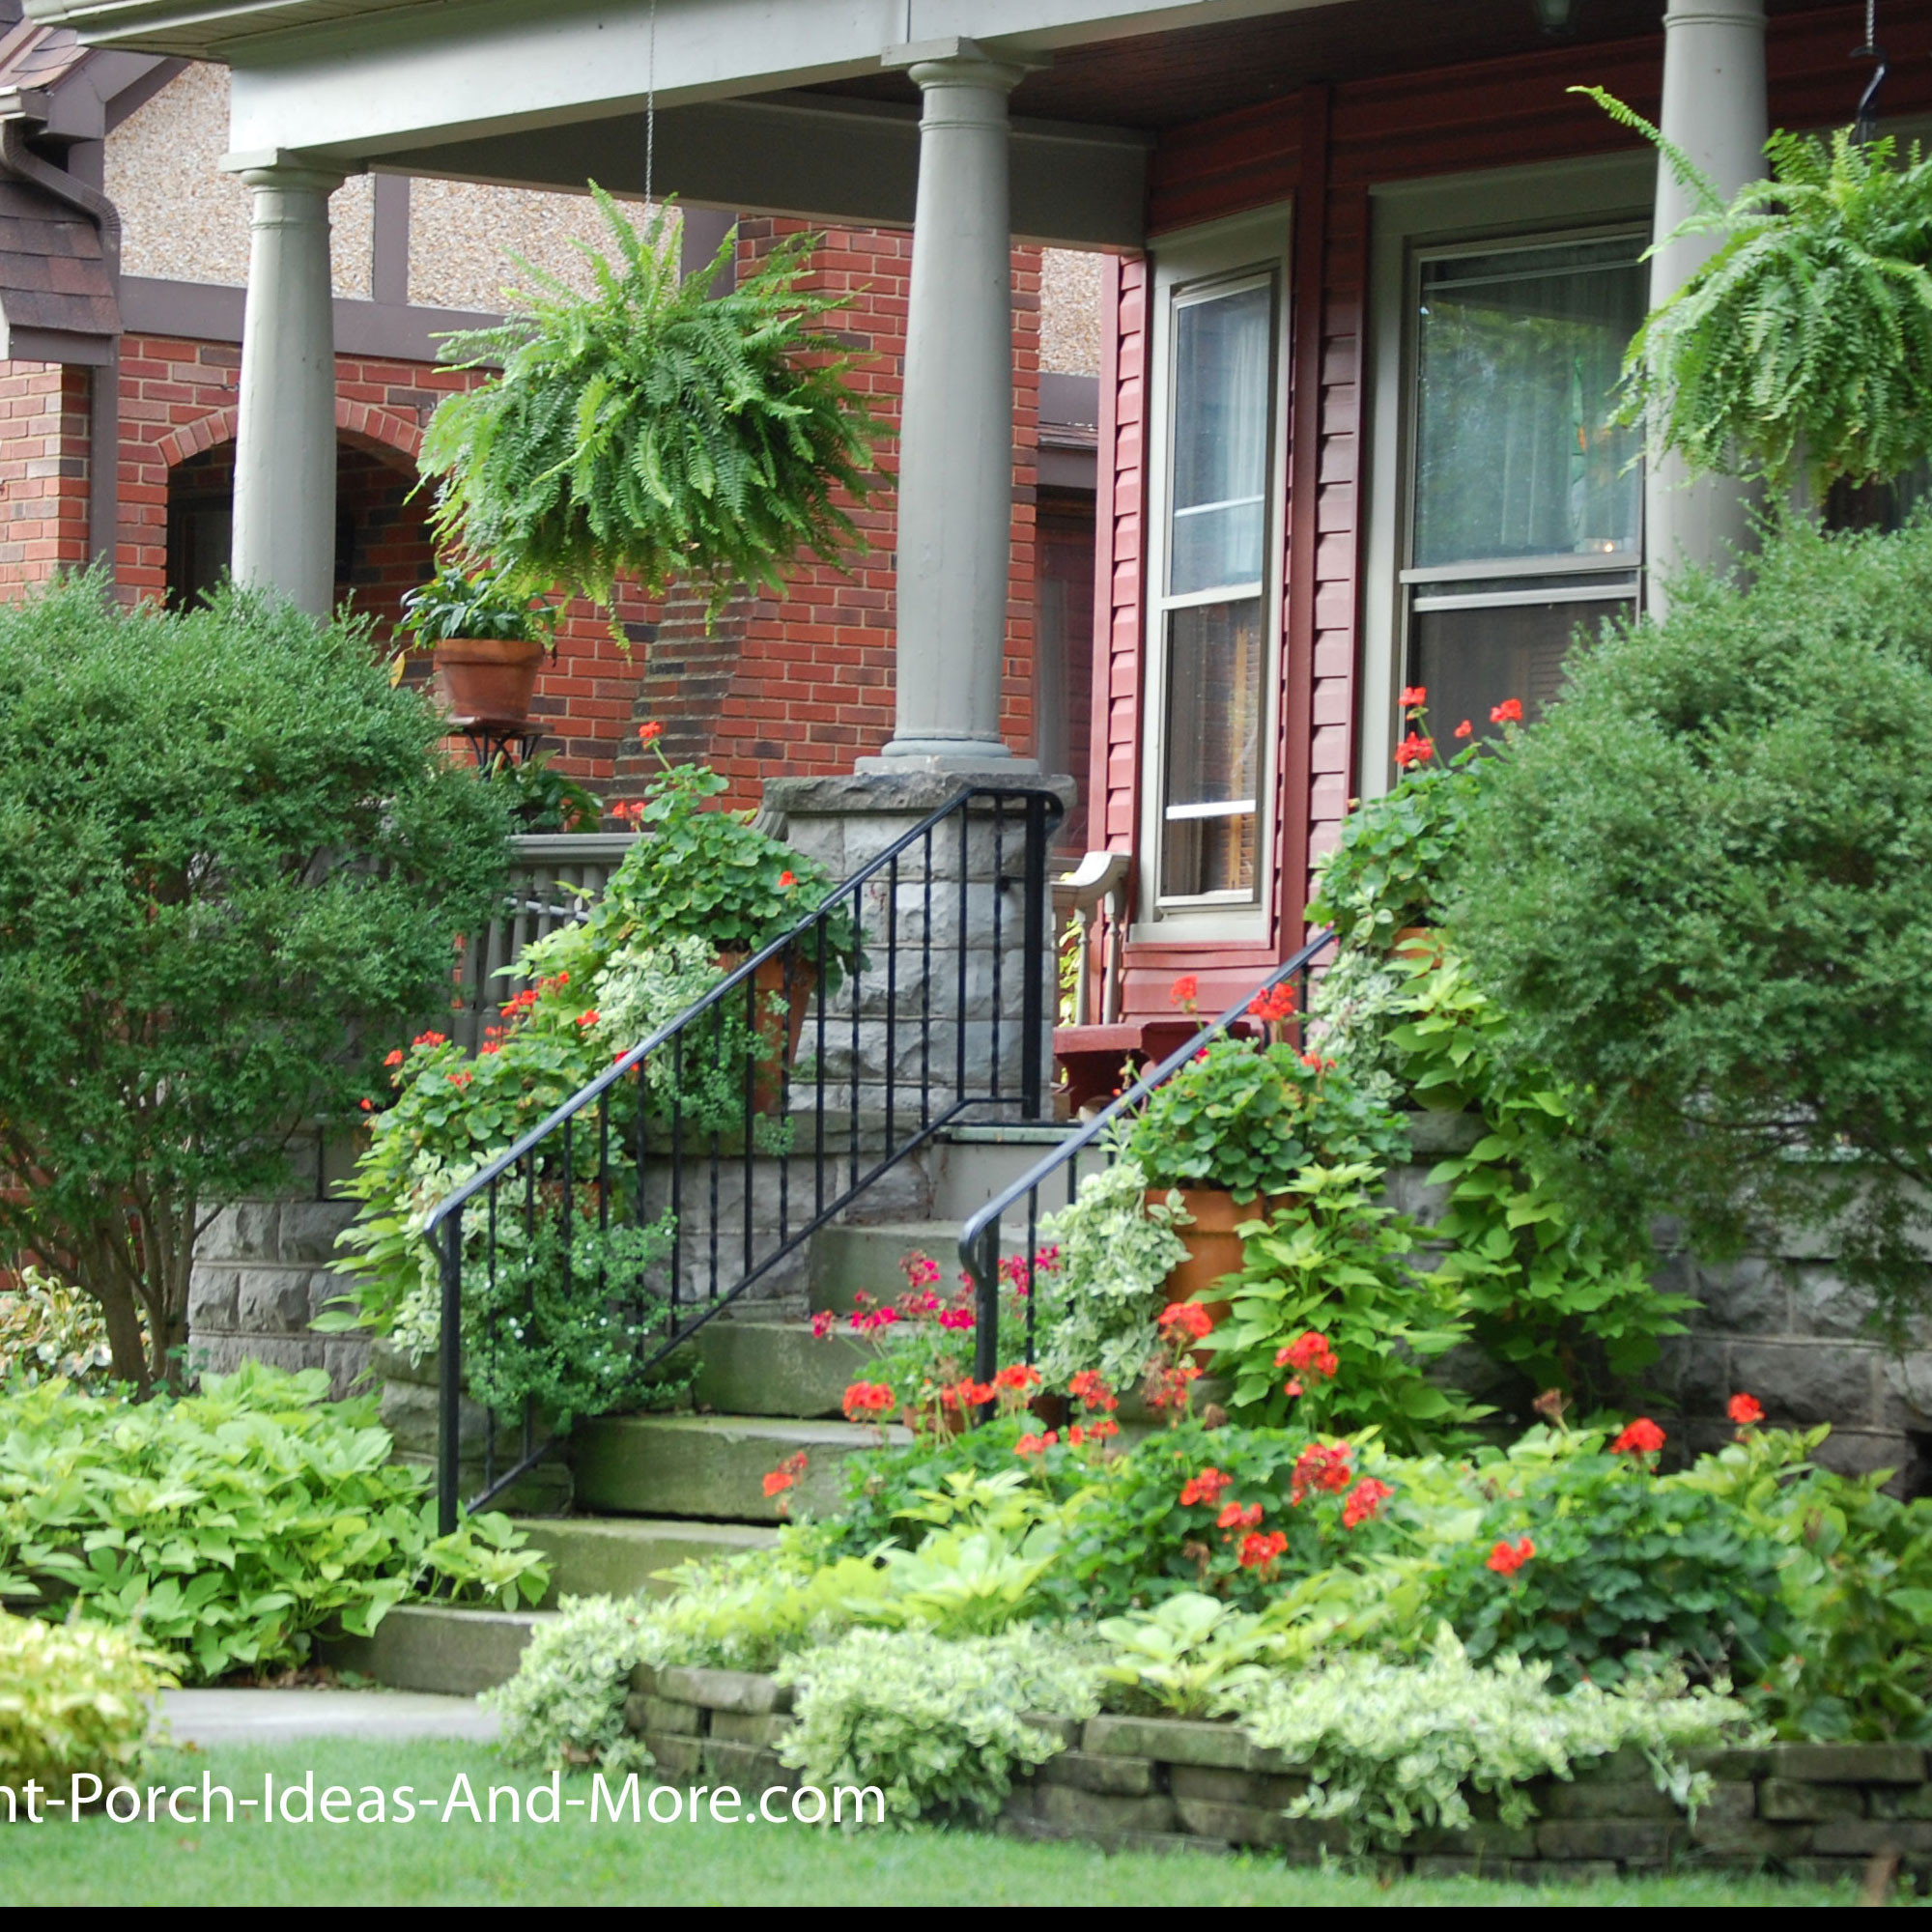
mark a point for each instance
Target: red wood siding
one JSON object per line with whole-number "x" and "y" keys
{"x": 1326, "y": 149}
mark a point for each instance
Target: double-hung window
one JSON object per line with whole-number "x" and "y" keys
{"x": 1214, "y": 580}
{"x": 1525, "y": 507}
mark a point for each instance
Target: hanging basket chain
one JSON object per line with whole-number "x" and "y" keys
{"x": 1865, "y": 127}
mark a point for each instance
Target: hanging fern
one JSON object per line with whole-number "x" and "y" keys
{"x": 648, "y": 431}
{"x": 1803, "y": 345}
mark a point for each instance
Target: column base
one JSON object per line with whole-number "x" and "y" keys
{"x": 979, "y": 755}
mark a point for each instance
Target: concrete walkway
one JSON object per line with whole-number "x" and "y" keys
{"x": 279, "y": 1717}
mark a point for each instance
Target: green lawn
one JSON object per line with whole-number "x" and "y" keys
{"x": 427, "y": 1862}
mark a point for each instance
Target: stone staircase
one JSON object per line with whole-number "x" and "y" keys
{"x": 651, "y": 1491}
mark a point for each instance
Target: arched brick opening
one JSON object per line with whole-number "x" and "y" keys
{"x": 382, "y": 545}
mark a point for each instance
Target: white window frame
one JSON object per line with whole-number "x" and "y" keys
{"x": 1219, "y": 255}
{"x": 1410, "y": 220}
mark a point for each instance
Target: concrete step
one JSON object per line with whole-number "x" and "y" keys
{"x": 776, "y": 1367}
{"x": 592, "y": 1556}
{"x": 968, "y": 1165}
{"x": 435, "y": 1647}
{"x": 846, "y": 1261}
{"x": 711, "y": 1466}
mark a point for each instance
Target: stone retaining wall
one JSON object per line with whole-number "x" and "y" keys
{"x": 1817, "y": 1811}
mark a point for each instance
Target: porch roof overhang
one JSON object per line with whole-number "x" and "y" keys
{"x": 553, "y": 93}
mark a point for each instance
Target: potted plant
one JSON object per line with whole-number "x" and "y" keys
{"x": 1231, "y": 1132}
{"x": 653, "y": 430}
{"x": 489, "y": 635}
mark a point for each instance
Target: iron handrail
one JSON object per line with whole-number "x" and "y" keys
{"x": 909, "y": 1123}
{"x": 979, "y": 1236}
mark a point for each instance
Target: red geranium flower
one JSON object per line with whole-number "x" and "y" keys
{"x": 1319, "y": 1466}
{"x": 1414, "y": 750}
{"x": 1088, "y": 1388}
{"x": 1507, "y": 1558}
{"x": 1508, "y": 712}
{"x": 1188, "y": 1318}
{"x": 1016, "y": 1377}
{"x": 1413, "y": 696}
{"x": 1464, "y": 730}
{"x": 1184, "y": 991}
{"x": 1240, "y": 1515}
{"x": 1745, "y": 1410}
{"x": 1259, "y": 1552}
{"x": 1206, "y": 1487}
{"x": 867, "y": 1401}
{"x": 1365, "y": 1501}
{"x": 1276, "y": 1003}
{"x": 787, "y": 880}
{"x": 1310, "y": 1354}
{"x": 650, "y": 733}
{"x": 1642, "y": 1437}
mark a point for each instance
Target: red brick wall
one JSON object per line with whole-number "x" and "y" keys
{"x": 43, "y": 471}
{"x": 797, "y": 684}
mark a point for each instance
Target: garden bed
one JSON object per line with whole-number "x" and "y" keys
{"x": 1819, "y": 1811}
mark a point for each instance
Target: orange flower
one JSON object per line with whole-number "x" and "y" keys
{"x": 1016, "y": 1377}
{"x": 1262, "y": 1552}
{"x": 1413, "y": 696}
{"x": 430, "y": 1040}
{"x": 1188, "y": 1318}
{"x": 1206, "y": 1487}
{"x": 1310, "y": 1354}
{"x": 868, "y": 1401}
{"x": 367, "y": 1106}
{"x": 1238, "y": 1516}
{"x": 393, "y": 1058}
{"x": 1184, "y": 991}
{"x": 587, "y": 1018}
{"x": 1464, "y": 730}
{"x": 1276, "y": 1003}
{"x": 1414, "y": 750}
{"x": 1508, "y": 712}
{"x": 1507, "y": 1557}
{"x": 787, "y": 880}
{"x": 650, "y": 733}
{"x": 1089, "y": 1389}
{"x": 1745, "y": 1410}
{"x": 1365, "y": 1501}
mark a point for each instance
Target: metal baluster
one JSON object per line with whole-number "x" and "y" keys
{"x": 449, "y": 1378}
{"x": 998, "y": 908}
{"x": 891, "y": 995}
{"x": 676, "y": 1183}
{"x": 785, "y": 1107}
{"x": 925, "y": 995}
{"x": 818, "y": 1064}
{"x": 717, "y": 1144}
{"x": 1035, "y": 954}
{"x": 852, "y": 1124}
{"x": 959, "y": 944}
{"x": 1032, "y": 1273}
{"x": 751, "y": 1058}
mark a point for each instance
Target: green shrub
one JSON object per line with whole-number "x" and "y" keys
{"x": 1334, "y": 1262}
{"x": 232, "y": 864}
{"x": 49, "y": 1328}
{"x": 73, "y": 1702}
{"x": 564, "y": 1708}
{"x": 1623, "y": 1563}
{"x": 939, "y": 1727}
{"x": 1393, "y": 1748}
{"x": 228, "y": 1528}
{"x": 1695, "y": 891}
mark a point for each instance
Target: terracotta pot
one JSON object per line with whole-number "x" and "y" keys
{"x": 1213, "y": 1248}
{"x": 778, "y": 1031}
{"x": 1051, "y": 1410}
{"x": 1420, "y": 943}
{"x": 487, "y": 680}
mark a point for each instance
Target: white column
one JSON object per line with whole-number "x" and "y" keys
{"x": 957, "y": 433}
{"x": 284, "y": 444}
{"x": 1714, "y": 108}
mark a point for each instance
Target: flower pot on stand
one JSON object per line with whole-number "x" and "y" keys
{"x": 777, "y": 1022}
{"x": 487, "y": 680}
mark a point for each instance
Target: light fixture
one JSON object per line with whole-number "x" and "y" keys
{"x": 1552, "y": 16}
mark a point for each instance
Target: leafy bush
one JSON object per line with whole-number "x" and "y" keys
{"x": 1392, "y": 1748}
{"x": 49, "y": 1330}
{"x": 1334, "y": 1262}
{"x": 1620, "y": 1562}
{"x": 1248, "y": 1118}
{"x": 565, "y": 1705}
{"x": 231, "y": 858}
{"x": 1694, "y": 891}
{"x": 655, "y": 429}
{"x": 1117, "y": 1250}
{"x": 939, "y": 1727}
{"x": 228, "y": 1528}
{"x": 74, "y": 1703}
{"x": 1804, "y": 344}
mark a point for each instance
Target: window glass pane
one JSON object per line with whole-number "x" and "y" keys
{"x": 1215, "y": 661}
{"x": 1218, "y": 515}
{"x": 1518, "y": 355}
{"x": 1469, "y": 661}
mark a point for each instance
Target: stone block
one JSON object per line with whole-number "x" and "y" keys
{"x": 1849, "y": 1764}
{"x": 1084, "y": 1770}
{"x": 438, "y": 1647}
{"x": 212, "y": 1299}
{"x": 744, "y": 1727}
{"x": 307, "y": 1231}
{"x": 1729, "y": 1765}
{"x": 1219, "y": 1786}
{"x": 1571, "y": 1871}
{"x": 1838, "y": 1838}
{"x": 1233, "y": 1824}
{"x": 1604, "y": 1799}
{"x": 679, "y": 1759}
{"x": 1806, "y": 1382}
{"x": 1746, "y": 1296}
{"x": 623, "y": 1557}
{"x": 1434, "y": 1864}
{"x": 244, "y": 1230}
{"x": 769, "y": 1368}
{"x": 1170, "y": 1740}
{"x": 668, "y": 1713}
{"x": 1311, "y": 1838}
{"x": 1786, "y": 1797}
{"x": 1485, "y": 1838}
{"x": 1829, "y": 1871}
{"x": 746, "y": 1766}
{"x": 1824, "y": 1303}
{"x": 1748, "y": 1837}
{"x": 743, "y": 1690}
{"x": 272, "y": 1301}
{"x": 1906, "y": 1802}
{"x": 1098, "y": 1813}
{"x": 1630, "y": 1840}
{"x": 1730, "y": 1801}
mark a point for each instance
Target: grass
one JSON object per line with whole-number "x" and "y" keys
{"x": 429, "y": 1862}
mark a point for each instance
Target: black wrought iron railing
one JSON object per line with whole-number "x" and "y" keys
{"x": 1058, "y": 1176}
{"x": 701, "y": 1162}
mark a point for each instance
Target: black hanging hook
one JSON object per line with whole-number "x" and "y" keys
{"x": 1865, "y": 127}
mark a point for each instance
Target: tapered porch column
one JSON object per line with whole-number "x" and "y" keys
{"x": 1714, "y": 108}
{"x": 285, "y": 442}
{"x": 956, "y": 431}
